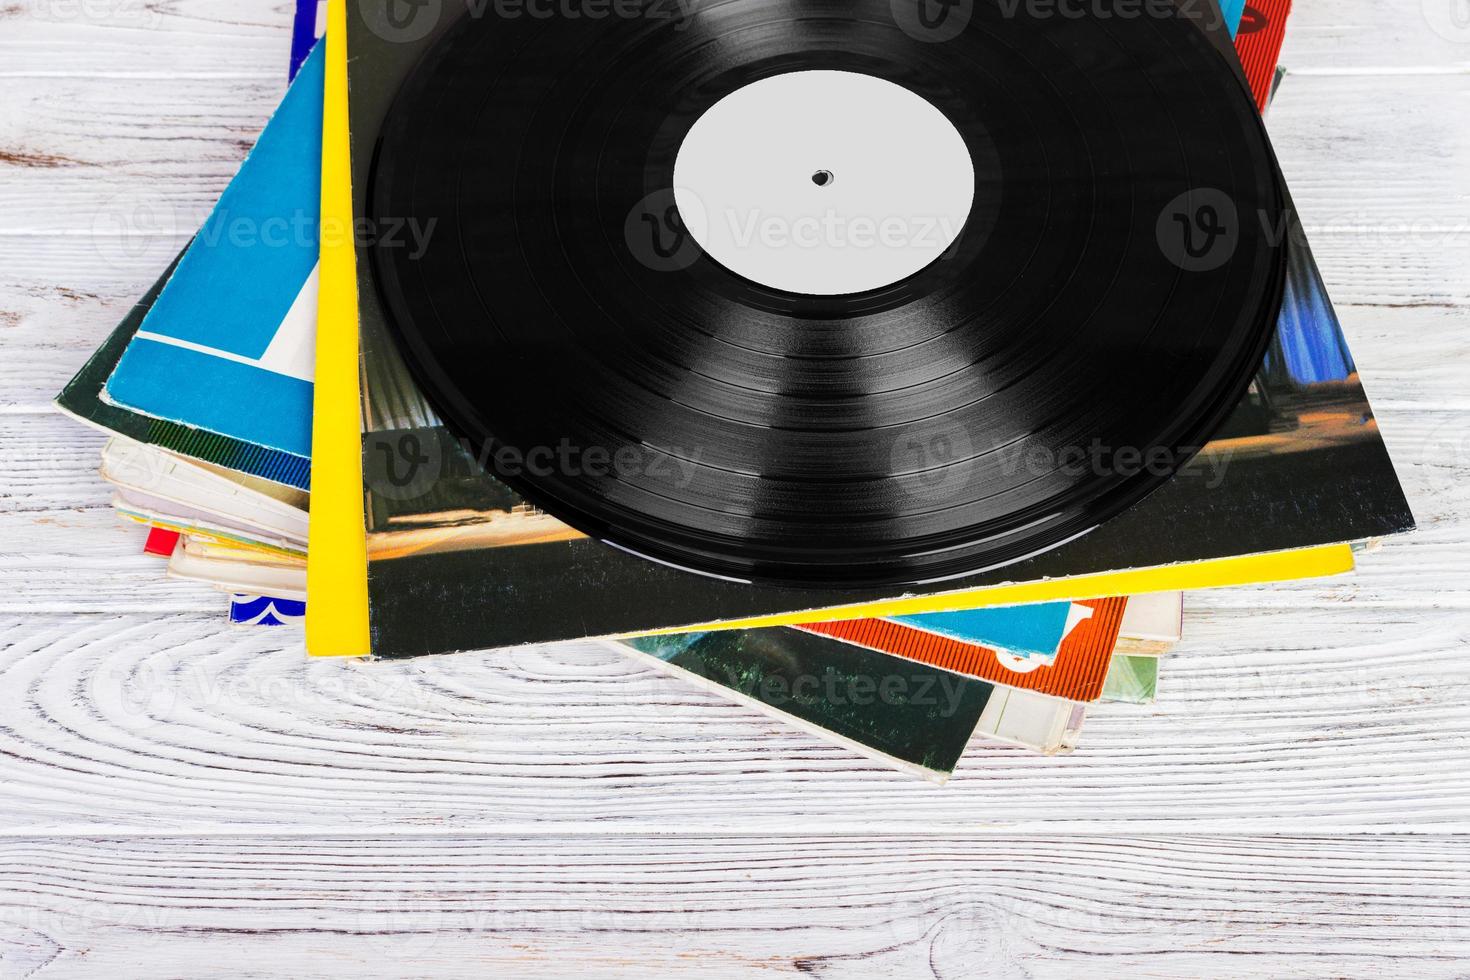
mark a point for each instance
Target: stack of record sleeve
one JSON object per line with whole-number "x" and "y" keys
{"x": 260, "y": 414}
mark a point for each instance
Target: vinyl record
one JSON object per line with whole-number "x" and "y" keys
{"x": 829, "y": 292}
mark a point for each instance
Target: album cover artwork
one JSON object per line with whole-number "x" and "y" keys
{"x": 81, "y": 399}
{"x": 198, "y": 473}
{"x": 917, "y": 717}
{"x": 1262, "y": 29}
{"x": 227, "y": 347}
{"x": 1076, "y": 672}
{"x": 914, "y": 716}
{"x": 255, "y": 610}
{"x": 1022, "y": 631}
{"x": 458, "y": 561}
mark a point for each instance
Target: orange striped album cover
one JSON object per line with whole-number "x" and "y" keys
{"x": 1076, "y": 673}
{"x": 1258, "y": 43}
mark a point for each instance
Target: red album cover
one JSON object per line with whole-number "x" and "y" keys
{"x": 1258, "y": 42}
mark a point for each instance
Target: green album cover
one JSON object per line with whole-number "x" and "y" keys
{"x": 912, "y": 715}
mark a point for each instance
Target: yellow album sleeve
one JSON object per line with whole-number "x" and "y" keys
{"x": 336, "y": 574}
{"x": 1215, "y": 574}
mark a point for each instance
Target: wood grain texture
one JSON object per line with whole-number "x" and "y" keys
{"x": 177, "y": 796}
{"x": 947, "y": 907}
{"x": 1333, "y": 719}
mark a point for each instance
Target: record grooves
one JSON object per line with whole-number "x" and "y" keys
{"x": 1099, "y": 315}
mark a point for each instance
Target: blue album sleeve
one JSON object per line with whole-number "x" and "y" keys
{"x": 1234, "y": 10}
{"x": 229, "y": 347}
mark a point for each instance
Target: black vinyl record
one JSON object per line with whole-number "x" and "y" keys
{"x": 1098, "y": 317}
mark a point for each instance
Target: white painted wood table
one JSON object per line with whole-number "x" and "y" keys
{"x": 178, "y": 797}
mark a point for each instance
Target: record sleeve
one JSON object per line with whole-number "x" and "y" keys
{"x": 1076, "y": 672}
{"x": 773, "y": 394}
{"x": 911, "y": 716}
{"x": 1299, "y": 465}
{"x": 226, "y": 348}
{"x": 82, "y": 396}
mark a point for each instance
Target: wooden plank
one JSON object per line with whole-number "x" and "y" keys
{"x": 1346, "y": 37}
{"x": 739, "y": 906}
{"x": 194, "y": 38}
{"x": 145, "y": 158}
{"x": 1307, "y": 720}
{"x": 568, "y": 811}
{"x": 109, "y": 39}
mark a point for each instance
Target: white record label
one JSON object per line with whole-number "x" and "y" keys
{"x": 824, "y": 182}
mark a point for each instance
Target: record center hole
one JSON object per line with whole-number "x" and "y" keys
{"x": 822, "y": 178}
